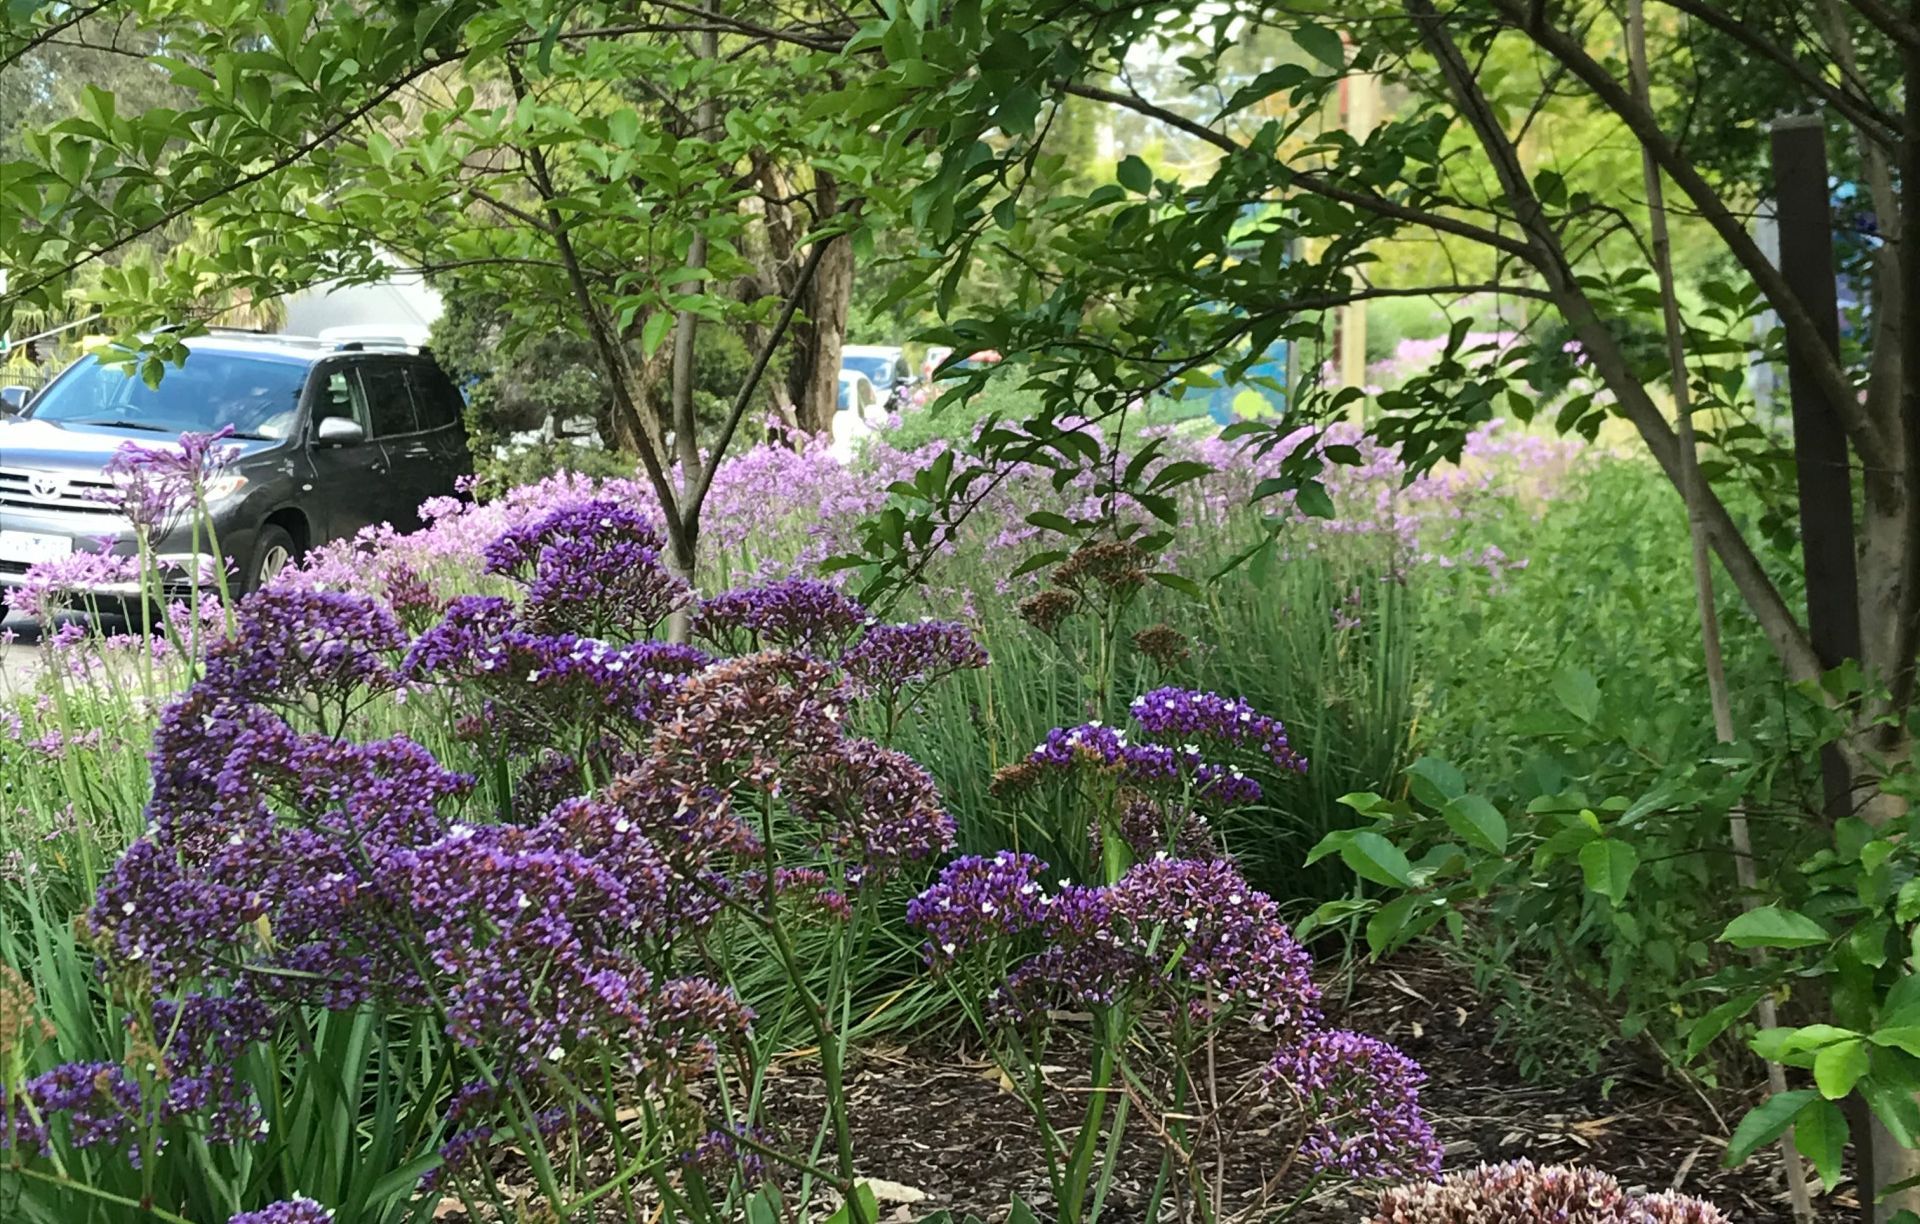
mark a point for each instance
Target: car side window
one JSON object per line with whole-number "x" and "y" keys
{"x": 385, "y": 385}
{"x": 435, "y": 401}
{"x": 339, "y": 395}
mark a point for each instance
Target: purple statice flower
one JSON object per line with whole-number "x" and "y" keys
{"x": 978, "y": 901}
{"x": 291, "y": 644}
{"x": 100, "y": 1102}
{"x": 593, "y": 568}
{"x": 297, "y": 1210}
{"x": 542, "y": 683}
{"x": 798, "y": 614}
{"x": 517, "y": 551}
{"x": 1187, "y": 714}
{"x": 1145, "y": 767}
{"x": 1360, "y": 1101}
{"x": 889, "y": 659}
{"x": 742, "y": 721}
{"x": 1230, "y": 940}
{"x": 1106, "y": 748}
{"x": 875, "y": 807}
{"x": 1150, "y": 828}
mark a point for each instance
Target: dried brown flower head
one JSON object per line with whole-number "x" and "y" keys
{"x": 1116, "y": 565}
{"x": 1048, "y": 610}
{"x": 1166, "y": 646}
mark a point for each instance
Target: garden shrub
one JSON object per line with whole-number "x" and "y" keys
{"x": 1520, "y": 1193}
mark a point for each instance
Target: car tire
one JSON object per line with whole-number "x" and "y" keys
{"x": 273, "y": 551}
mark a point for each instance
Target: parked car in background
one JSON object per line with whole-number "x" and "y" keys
{"x": 885, "y": 366}
{"x": 328, "y": 438}
{"x": 859, "y": 411}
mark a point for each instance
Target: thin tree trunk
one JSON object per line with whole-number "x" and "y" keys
{"x": 1691, "y": 487}
{"x": 814, "y": 377}
{"x": 686, "y": 430}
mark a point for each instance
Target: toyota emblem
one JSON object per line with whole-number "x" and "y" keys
{"x": 44, "y": 487}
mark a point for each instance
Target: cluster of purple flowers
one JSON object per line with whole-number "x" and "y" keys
{"x": 590, "y": 568}
{"x": 1521, "y": 1193}
{"x": 296, "y": 1210}
{"x": 1362, "y": 1099}
{"x": 1177, "y": 713}
{"x": 1192, "y": 942}
{"x": 291, "y": 644}
{"x": 890, "y": 659}
{"x": 799, "y": 614}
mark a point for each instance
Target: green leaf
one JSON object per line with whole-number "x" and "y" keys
{"x": 1039, "y": 560}
{"x": 869, "y": 1206}
{"x": 1019, "y": 1213}
{"x": 1388, "y": 922}
{"x": 1767, "y": 1122}
{"x": 1718, "y": 1021}
{"x": 1322, "y": 44}
{"x": 1179, "y": 582}
{"x": 1773, "y": 927}
{"x": 1821, "y": 1134}
{"x": 1311, "y": 499}
{"x": 1477, "y": 822}
{"x": 654, "y": 331}
{"x": 1608, "y": 865}
{"x": 1435, "y": 782}
{"x": 1134, "y": 175}
{"x": 1839, "y": 1067}
{"x": 1900, "y": 1037}
{"x": 1372, "y": 857}
{"x": 1579, "y": 692}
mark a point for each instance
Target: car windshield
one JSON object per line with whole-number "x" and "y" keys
{"x": 208, "y": 392}
{"x": 877, "y": 369}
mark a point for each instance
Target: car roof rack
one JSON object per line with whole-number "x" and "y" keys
{"x": 385, "y": 344}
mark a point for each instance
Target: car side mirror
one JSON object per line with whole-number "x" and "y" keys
{"x": 339, "y": 431}
{"x": 13, "y": 400}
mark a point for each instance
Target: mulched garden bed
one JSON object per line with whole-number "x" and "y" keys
{"x": 941, "y": 1124}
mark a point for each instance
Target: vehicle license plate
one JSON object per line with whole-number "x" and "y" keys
{"x": 25, "y": 547}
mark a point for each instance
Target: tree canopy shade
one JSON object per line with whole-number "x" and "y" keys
{"x": 608, "y": 169}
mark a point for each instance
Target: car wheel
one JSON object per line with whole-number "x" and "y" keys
{"x": 272, "y": 552}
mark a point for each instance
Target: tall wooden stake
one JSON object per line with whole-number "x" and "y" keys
{"x": 1804, "y": 216}
{"x": 1691, "y": 489}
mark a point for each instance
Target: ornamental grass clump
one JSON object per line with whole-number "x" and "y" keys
{"x": 554, "y": 916}
{"x": 1171, "y": 951}
{"x": 1520, "y": 1193}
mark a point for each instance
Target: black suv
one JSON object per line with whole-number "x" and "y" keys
{"x": 330, "y": 438}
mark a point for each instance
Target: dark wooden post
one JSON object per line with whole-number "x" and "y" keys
{"x": 1804, "y": 215}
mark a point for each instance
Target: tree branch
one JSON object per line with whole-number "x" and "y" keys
{"x": 1902, "y": 31}
{"x": 72, "y": 17}
{"x": 1877, "y": 125}
{"x": 1318, "y": 186}
{"x": 1802, "y": 333}
{"x": 698, "y": 496}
